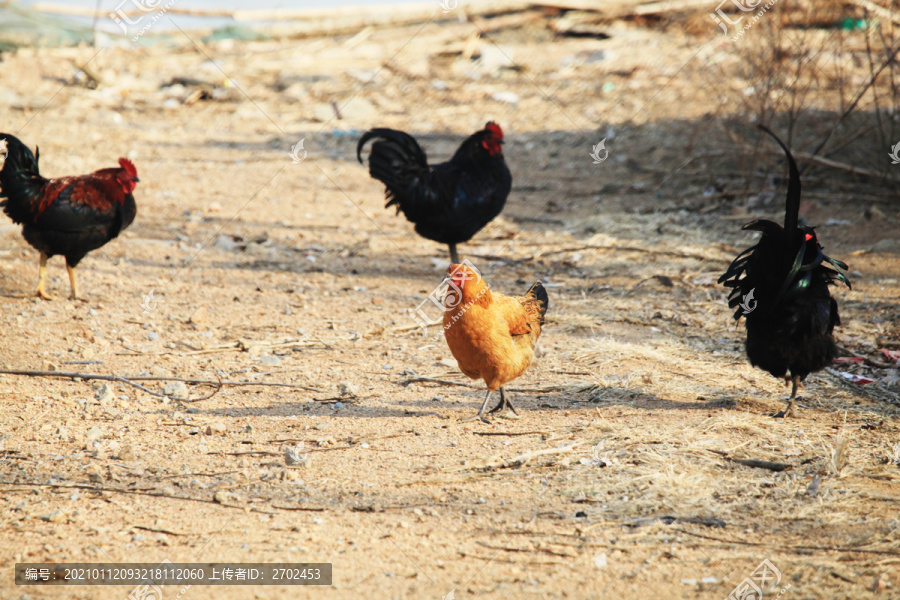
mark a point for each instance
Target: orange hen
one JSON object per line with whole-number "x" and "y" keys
{"x": 492, "y": 336}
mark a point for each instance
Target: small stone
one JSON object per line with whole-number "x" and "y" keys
{"x": 176, "y": 389}
{"x": 225, "y": 242}
{"x": 49, "y": 366}
{"x": 450, "y": 363}
{"x": 127, "y": 453}
{"x": 347, "y": 389}
{"x": 168, "y": 491}
{"x": 103, "y": 393}
{"x": 600, "y": 561}
{"x": 94, "y": 473}
{"x": 55, "y": 517}
{"x": 199, "y": 316}
{"x": 321, "y": 425}
{"x": 338, "y": 405}
{"x": 270, "y": 361}
{"x": 216, "y": 427}
{"x": 93, "y": 434}
{"x": 222, "y": 497}
{"x": 709, "y": 580}
{"x": 152, "y": 336}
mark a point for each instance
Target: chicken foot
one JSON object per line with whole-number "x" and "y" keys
{"x": 788, "y": 411}
{"x": 503, "y": 405}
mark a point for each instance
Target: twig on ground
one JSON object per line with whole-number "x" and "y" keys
{"x": 521, "y": 459}
{"x": 511, "y": 433}
{"x": 130, "y": 380}
{"x": 93, "y": 488}
{"x": 799, "y": 549}
{"x": 752, "y": 462}
{"x": 528, "y": 550}
{"x": 159, "y": 530}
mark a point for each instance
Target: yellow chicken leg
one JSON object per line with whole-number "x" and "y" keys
{"x": 41, "y": 293}
{"x": 72, "y": 282}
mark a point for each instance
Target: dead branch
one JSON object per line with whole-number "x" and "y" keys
{"x": 827, "y": 162}
{"x": 93, "y": 488}
{"x": 132, "y": 378}
{"x": 798, "y": 549}
{"x": 528, "y": 550}
{"x": 756, "y": 464}
{"x": 303, "y": 508}
{"x": 511, "y": 433}
{"x": 521, "y": 459}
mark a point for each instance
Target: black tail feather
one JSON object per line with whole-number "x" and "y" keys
{"x": 792, "y": 205}
{"x": 20, "y": 180}
{"x": 396, "y": 160}
{"x": 537, "y": 290}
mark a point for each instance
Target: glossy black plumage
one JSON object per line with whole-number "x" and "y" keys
{"x": 68, "y": 216}
{"x": 448, "y": 202}
{"x": 780, "y": 287}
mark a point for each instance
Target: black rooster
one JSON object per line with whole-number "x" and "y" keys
{"x": 70, "y": 215}
{"x": 780, "y": 285}
{"x": 449, "y": 202}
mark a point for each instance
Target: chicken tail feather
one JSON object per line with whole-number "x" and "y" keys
{"x": 20, "y": 180}
{"x": 538, "y": 292}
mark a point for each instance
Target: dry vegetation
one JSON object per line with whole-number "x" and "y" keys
{"x": 645, "y": 464}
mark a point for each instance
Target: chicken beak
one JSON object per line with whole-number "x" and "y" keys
{"x": 135, "y": 179}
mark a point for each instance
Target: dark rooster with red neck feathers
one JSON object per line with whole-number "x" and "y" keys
{"x": 448, "y": 202}
{"x": 69, "y": 216}
{"x": 780, "y": 286}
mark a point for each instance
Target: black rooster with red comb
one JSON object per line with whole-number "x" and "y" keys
{"x": 70, "y": 216}
{"x": 448, "y": 202}
{"x": 780, "y": 286}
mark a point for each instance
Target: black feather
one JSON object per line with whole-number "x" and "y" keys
{"x": 20, "y": 181}
{"x": 540, "y": 294}
{"x": 448, "y": 202}
{"x": 789, "y": 328}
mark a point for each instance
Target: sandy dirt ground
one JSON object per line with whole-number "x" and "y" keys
{"x": 245, "y": 266}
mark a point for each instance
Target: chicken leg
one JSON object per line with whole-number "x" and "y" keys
{"x": 41, "y": 293}
{"x": 72, "y": 282}
{"x": 454, "y": 257}
{"x": 503, "y": 405}
{"x": 788, "y": 411}
{"x": 480, "y": 416}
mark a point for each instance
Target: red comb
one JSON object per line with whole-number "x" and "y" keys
{"x": 128, "y": 166}
{"x": 808, "y": 237}
{"x": 494, "y": 129}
